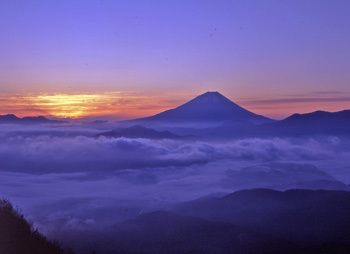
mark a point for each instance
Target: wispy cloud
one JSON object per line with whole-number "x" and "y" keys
{"x": 327, "y": 92}
{"x": 287, "y": 104}
{"x": 299, "y": 100}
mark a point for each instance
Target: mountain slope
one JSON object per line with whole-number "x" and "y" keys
{"x": 302, "y": 216}
{"x": 320, "y": 122}
{"x": 165, "y": 232}
{"x": 210, "y": 107}
{"x": 315, "y": 123}
{"x": 19, "y": 236}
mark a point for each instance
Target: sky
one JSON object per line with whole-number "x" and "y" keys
{"x": 77, "y": 58}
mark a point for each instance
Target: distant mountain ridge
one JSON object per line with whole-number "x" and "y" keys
{"x": 317, "y": 117}
{"x": 318, "y": 122}
{"x": 210, "y": 107}
{"x": 296, "y": 125}
{"x": 10, "y": 118}
{"x": 213, "y": 115}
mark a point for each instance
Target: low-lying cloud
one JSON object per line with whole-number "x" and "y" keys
{"x": 83, "y": 183}
{"x": 45, "y": 154}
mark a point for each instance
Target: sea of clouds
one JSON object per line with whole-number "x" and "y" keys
{"x": 80, "y": 182}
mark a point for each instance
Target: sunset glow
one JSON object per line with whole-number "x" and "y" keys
{"x": 127, "y": 105}
{"x": 86, "y": 63}
{"x": 121, "y": 105}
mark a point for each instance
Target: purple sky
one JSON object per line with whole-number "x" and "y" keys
{"x": 273, "y": 57}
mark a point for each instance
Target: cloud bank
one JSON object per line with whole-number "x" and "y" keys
{"x": 45, "y": 154}
{"x": 80, "y": 183}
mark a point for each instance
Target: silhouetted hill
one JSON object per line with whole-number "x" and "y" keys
{"x": 17, "y": 236}
{"x": 8, "y": 118}
{"x": 318, "y": 122}
{"x": 305, "y": 217}
{"x": 139, "y": 131}
{"x": 12, "y": 119}
{"x": 319, "y": 116}
{"x": 248, "y": 221}
{"x": 208, "y": 108}
{"x": 165, "y": 232}
{"x": 315, "y": 123}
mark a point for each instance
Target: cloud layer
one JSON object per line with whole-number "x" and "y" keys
{"x": 45, "y": 154}
{"x": 82, "y": 183}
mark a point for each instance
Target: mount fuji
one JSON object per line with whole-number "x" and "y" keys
{"x": 209, "y": 108}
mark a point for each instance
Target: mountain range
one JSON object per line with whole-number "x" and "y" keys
{"x": 213, "y": 115}
{"x": 12, "y": 119}
{"x": 321, "y": 122}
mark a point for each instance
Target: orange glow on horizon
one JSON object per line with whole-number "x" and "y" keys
{"x": 119, "y": 104}
{"x": 132, "y": 104}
